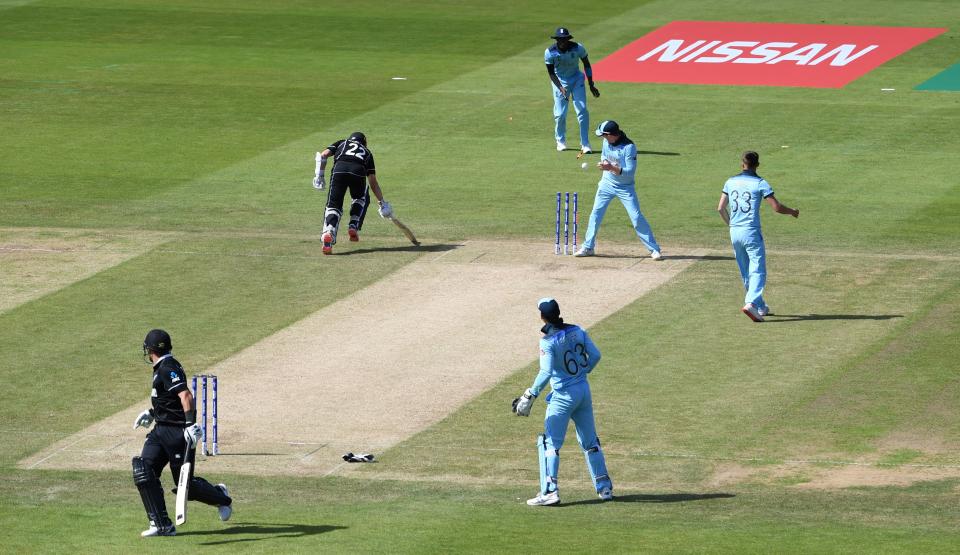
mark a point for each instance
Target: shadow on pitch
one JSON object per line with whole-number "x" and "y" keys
{"x": 775, "y": 318}
{"x": 262, "y": 532}
{"x": 655, "y": 498}
{"x": 404, "y": 248}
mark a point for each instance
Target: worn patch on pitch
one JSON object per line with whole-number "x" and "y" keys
{"x": 380, "y": 365}
{"x": 35, "y": 262}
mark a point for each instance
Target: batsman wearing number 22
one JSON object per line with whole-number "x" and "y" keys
{"x": 740, "y": 209}
{"x": 567, "y": 355}
{"x": 176, "y": 415}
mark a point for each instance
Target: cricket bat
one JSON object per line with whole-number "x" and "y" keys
{"x": 406, "y": 230}
{"x": 183, "y": 486}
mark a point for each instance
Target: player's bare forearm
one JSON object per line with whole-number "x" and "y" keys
{"x": 722, "y": 209}
{"x": 375, "y": 186}
{"x": 186, "y": 400}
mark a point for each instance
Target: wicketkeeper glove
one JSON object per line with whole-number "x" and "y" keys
{"x": 144, "y": 419}
{"x": 523, "y": 403}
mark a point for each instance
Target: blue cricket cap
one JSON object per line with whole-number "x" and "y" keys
{"x": 608, "y": 126}
{"x": 549, "y": 308}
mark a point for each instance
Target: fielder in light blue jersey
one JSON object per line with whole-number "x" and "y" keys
{"x": 740, "y": 209}
{"x": 563, "y": 66}
{"x": 619, "y": 165}
{"x": 567, "y": 355}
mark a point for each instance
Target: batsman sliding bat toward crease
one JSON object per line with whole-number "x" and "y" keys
{"x": 406, "y": 230}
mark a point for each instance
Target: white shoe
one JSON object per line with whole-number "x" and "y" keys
{"x": 561, "y": 146}
{"x": 765, "y": 311}
{"x": 224, "y": 510}
{"x": 543, "y": 499}
{"x": 585, "y": 149}
{"x": 656, "y": 255}
{"x": 606, "y": 494}
{"x": 584, "y": 251}
{"x": 154, "y": 531}
{"x": 752, "y": 312}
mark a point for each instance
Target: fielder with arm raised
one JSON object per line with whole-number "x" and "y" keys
{"x": 563, "y": 67}
{"x": 567, "y": 355}
{"x": 353, "y": 166}
{"x": 740, "y": 209}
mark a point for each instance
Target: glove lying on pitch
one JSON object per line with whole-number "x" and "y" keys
{"x": 385, "y": 209}
{"x": 362, "y": 457}
{"x": 523, "y": 403}
{"x": 144, "y": 419}
{"x": 192, "y": 434}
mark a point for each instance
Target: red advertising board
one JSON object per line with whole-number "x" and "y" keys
{"x": 775, "y": 54}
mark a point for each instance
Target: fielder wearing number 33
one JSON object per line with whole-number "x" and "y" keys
{"x": 567, "y": 355}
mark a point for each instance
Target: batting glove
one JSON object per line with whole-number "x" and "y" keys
{"x": 319, "y": 183}
{"x": 385, "y": 210}
{"x": 192, "y": 434}
{"x": 144, "y": 419}
{"x": 523, "y": 403}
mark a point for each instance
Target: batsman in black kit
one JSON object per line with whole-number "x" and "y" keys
{"x": 352, "y": 167}
{"x": 175, "y": 414}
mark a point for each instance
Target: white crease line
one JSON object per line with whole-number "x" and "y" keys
{"x": 57, "y": 452}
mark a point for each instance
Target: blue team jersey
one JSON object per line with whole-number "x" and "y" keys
{"x": 745, "y": 193}
{"x": 566, "y": 64}
{"x": 567, "y": 355}
{"x": 624, "y": 154}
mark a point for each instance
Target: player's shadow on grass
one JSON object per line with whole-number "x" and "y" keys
{"x": 404, "y": 248}
{"x": 775, "y": 318}
{"x": 655, "y": 498}
{"x": 657, "y": 153}
{"x": 262, "y": 532}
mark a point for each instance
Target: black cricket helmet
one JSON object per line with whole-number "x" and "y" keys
{"x": 359, "y": 137}
{"x": 158, "y": 342}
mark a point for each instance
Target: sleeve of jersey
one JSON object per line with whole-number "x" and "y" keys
{"x": 593, "y": 353}
{"x": 174, "y": 379}
{"x": 547, "y": 58}
{"x": 583, "y": 52}
{"x": 333, "y": 147}
{"x": 629, "y": 161}
{"x": 546, "y": 359}
{"x": 765, "y": 189}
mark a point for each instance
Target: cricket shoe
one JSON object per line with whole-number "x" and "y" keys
{"x": 606, "y": 494}
{"x": 327, "y": 239}
{"x": 224, "y": 510}
{"x": 543, "y": 499}
{"x": 584, "y": 251}
{"x": 752, "y": 312}
{"x": 154, "y": 530}
{"x": 656, "y": 255}
{"x": 764, "y": 311}
{"x": 561, "y": 146}
{"x": 585, "y": 149}
{"x": 354, "y": 234}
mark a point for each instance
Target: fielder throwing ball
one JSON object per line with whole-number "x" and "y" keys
{"x": 567, "y": 355}
{"x": 740, "y": 209}
{"x": 176, "y": 415}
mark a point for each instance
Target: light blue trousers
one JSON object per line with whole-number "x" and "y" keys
{"x": 578, "y": 92}
{"x": 573, "y": 403}
{"x": 752, "y": 260}
{"x": 628, "y": 196}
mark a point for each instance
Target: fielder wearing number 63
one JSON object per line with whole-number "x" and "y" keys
{"x": 567, "y": 355}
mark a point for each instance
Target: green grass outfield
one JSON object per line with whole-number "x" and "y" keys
{"x": 199, "y": 120}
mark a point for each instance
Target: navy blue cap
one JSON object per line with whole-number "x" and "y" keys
{"x": 608, "y": 126}
{"x": 549, "y": 308}
{"x": 562, "y": 33}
